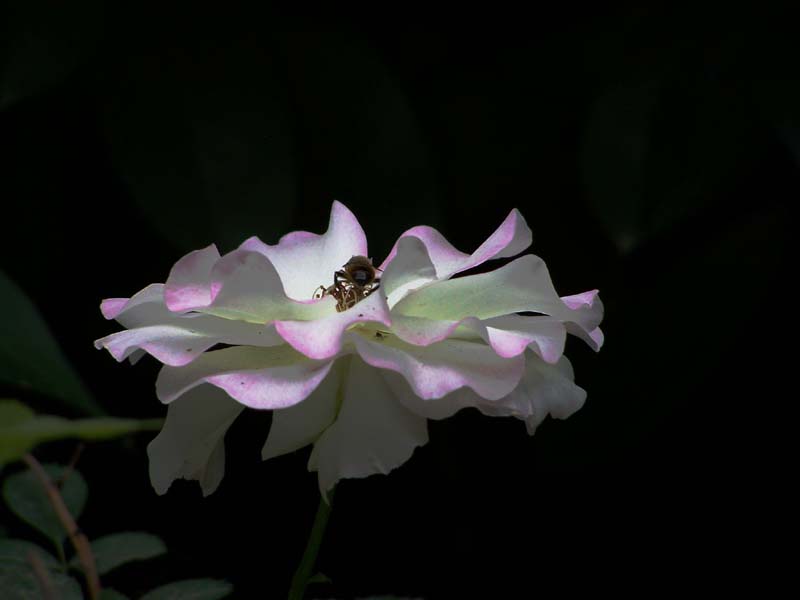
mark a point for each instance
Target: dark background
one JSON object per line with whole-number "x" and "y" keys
{"x": 653, "y": 151}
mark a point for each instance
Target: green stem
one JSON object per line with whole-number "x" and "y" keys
{"x": 304, "y": 570}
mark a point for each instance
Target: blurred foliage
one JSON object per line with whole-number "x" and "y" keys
{"x": 117, "y": 549}
{"x": 29, "y": 356}
{"x": 25, "y": 568}
{"x": 191, "y": 589}
{"x": 21, "y": 429}
{"x": 26, "y": 498}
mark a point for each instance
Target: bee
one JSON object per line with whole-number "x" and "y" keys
{"x": 356, "y": 280}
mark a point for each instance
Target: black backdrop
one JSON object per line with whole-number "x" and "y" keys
{"x": 653, "y": 152}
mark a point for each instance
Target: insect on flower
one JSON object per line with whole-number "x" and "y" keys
{"x": 356, "y": 280}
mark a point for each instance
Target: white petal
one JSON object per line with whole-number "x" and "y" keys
{"x": 511, "y": 238}
{"x": 323, "y": 337}
{"x": 508, "y": 335}
{"x": 301, "y": 424}
{"x": 173, "y": 338}
{"x": 245, "y": 286}
{"x": 263, "y": 378}
{"x": 191, "y": 443}
{"x": 522, "y": 285}
{"x": 306, "y": 260}
{"x": 544, "y": 390}
{"x": 436, "y": 370}
{"x": 188, "y": 284}
{"x": 373, "y": 433}
{"x": 410, "y": 269}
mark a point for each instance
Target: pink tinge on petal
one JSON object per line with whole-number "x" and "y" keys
{"x": 440, "y": 250}
{"x": 511, "y": 238}
{"x": 586, "y": 315}
{"x": 279, "y": 387}
{"x": 270, "y": 377}
{"x": 111, "y": 307}
{"x": 188, "y": 284}
{"x": 304, "y": 261}
{"x": 577, "y": 301}
{"x": 322, "y": 338}
{"x": 436, "y": 370}
{"x": 174, "y": 346}
{"x": 508, "y": 336}
{"x": 141, "y": 307}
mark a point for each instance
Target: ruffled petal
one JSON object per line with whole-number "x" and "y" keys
{"x": 410, "y": 268}
{"x": 245, "y": 286}
{"x": 544, "y": 390}
{"x": 586, "y": 315}
{"x": 264, "y": 378}
{"x": 522, "y": 285}
{"x": 189, "y": 283}
{"x": 305, "y": 261}
{"x": 508, "y": 335}
{"x": 436, "y": 370}
{"x": 299, "y": 425}
{"x": 145, "y": 307}
{"x": 512, "y": 237}
{"x": 191, "y": 443}
{"x": 174, "y": 339}
{"x": 322, "y": 338}
{"x": 373, "y": 432}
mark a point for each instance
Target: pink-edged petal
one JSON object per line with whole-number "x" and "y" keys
{"x": 585, "y": 317}
{"x": 146, "y": 307}
{"x": 508, "y": 335}
{"x": 410, "y": 268}
{"x": 544, "y": 390}
{"x": 169, "y": 344}
{"x": 522, "y": 285}
{"x": 245, "y": 286}
{"x": 511, "y": 238}
{"x": 299, "y": 425}
{"x": 322, "y": 338}
{"x": 173, "y": 338}
{"x": 373, "y": 432}
{"x": 188, "y": 284}
{"x": 264, "y": 378}
{"x": 306, "y": 260}
{"x": 191, "y": 443}
{"x": 436, "y": 370}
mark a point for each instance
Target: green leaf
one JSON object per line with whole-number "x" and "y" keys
{"x": 191, "y": 589}
{"x": 109, "y": 594}
{"x": 30, "y": 358}
{"x": 16, "y": 551}
{"x": 20, "y": 583}
{"x": 43, "y": 42}
{"x": 117, "y": 549}
{"x": 21, "y": 429}
{"x": 27, "y": 499}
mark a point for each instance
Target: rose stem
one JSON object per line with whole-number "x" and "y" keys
{"x": 303, "y": 572}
